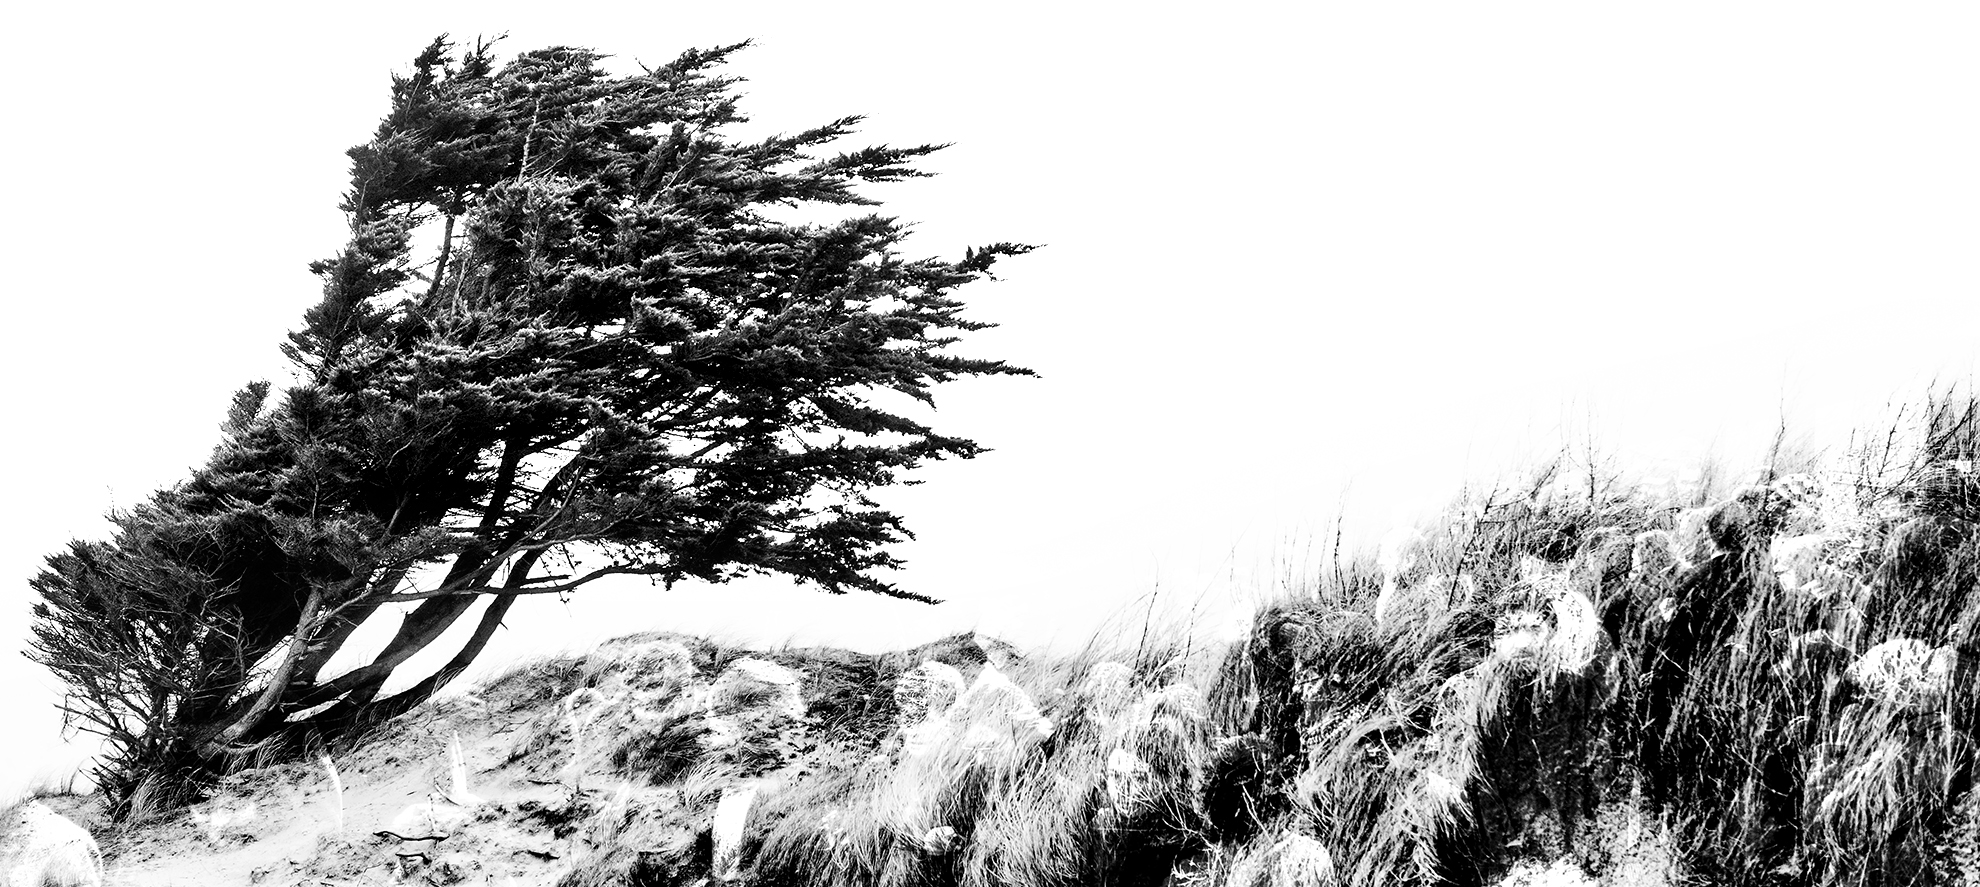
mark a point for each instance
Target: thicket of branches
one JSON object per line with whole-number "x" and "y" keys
{"x": 568, "y": 328}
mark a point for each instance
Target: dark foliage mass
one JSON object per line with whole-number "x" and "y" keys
{"x": 571, "y": 327}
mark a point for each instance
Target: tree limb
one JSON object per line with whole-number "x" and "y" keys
{"x": 509, "y": 590}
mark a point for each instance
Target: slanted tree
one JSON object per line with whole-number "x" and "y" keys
{"x": 574, "y": 325}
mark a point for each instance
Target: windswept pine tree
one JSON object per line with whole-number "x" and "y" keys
{"x": 572, "y": 327}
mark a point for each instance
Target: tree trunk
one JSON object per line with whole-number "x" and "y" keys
{"x": 338, "y": 631}
{"x": 216, "y": 739}
{"x": 424, "y": 625}
{"x": 440, "y": 267}
{"x": 353, "y": 712}
{"x": 433, "y": 616}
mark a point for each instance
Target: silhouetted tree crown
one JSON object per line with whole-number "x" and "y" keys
{"x": 568, "y": 328}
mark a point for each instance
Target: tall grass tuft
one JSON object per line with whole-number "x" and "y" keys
{"x": 1785, "y": 672}
{"x": 1749, "y": 681}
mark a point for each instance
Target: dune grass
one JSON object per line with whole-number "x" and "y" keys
{"x": 1779, "y": 672}
{"x": 1760, "y": 680}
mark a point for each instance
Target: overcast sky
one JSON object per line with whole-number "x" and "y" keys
{"x": 1303, "y": 260}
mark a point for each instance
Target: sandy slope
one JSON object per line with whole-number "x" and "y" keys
{"x": 279, "y": 824}
{"x": 290, "y": 834}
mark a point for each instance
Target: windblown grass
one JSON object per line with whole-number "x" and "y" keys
{"x": 1772, "y": 681}
{"x": 1780, "y": 671}
{"x": 1111, "y": 794}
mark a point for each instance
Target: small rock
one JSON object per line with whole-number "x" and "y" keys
{"x": 940, "y": 841}
{"x": 1904, "y": 671}
{"x": 1293, "y": 859}
{"x": 42, "y": 848}
{"x": 1797, "y": 562}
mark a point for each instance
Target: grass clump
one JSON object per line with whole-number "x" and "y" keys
{"x": 1052, "y": 771}
{"x": 1774, "y": 682}
{"x": 1778, "y": 678}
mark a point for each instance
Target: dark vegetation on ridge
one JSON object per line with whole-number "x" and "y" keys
{"x": 1768, "y": 684}
{"x": 1572, "y": 681}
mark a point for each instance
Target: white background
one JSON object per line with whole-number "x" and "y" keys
{"x": 1303, "y": 261}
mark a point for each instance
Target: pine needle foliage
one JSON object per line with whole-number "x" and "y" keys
{"x": 616, "y": 361}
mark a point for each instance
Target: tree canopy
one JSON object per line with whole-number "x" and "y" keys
{"x": 573, "y": 325}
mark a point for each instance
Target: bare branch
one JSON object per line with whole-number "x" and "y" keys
{"x": 600, "y": 573}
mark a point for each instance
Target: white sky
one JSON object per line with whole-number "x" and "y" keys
{"x": 1302, "y": 259}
